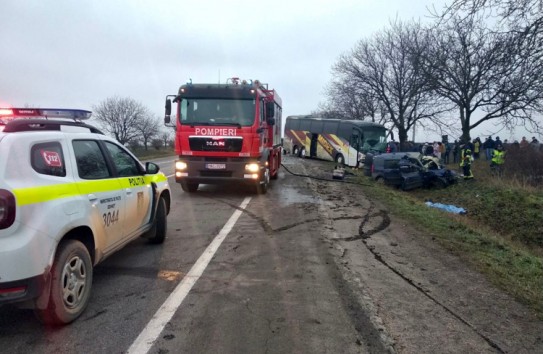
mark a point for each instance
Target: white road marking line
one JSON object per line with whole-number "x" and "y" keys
{"x": 150, "y": 333}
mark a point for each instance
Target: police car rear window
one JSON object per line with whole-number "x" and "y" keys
{"x": 48, "y": 159}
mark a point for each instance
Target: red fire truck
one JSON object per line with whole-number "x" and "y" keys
{"x": 226, "y": 133}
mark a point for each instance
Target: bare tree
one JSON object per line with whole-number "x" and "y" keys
{"x": 481, "y": 70}
{"x": 148, "y": 128}
{"x": 388, "y": 67}
{"x": 167, "y": 136}
{"x": 120, "y": 117}
{"x": 350, "y": 102}
{"x": 514, "y": 15}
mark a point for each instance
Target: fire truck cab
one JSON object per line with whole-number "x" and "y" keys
{"x": 226, "y": 133}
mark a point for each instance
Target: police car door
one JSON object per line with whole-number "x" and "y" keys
{"x": 136, "y": 189}
{"x": 105, "y": 195}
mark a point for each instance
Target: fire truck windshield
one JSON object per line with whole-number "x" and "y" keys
{"x": 213, "y": 111}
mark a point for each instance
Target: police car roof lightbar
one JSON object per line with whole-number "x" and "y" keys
{"x": 76, "y": 114}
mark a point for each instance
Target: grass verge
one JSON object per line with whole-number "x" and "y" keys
{"x": 499, "y": 243}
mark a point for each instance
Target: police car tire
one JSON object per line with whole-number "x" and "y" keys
{"x": 72, "y": 261}
{"x": 160, "y": 226}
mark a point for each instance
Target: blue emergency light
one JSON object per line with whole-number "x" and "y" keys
{"x": 76, "y": 114}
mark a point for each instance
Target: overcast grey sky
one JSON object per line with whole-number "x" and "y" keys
{"x": 75, "y": 54}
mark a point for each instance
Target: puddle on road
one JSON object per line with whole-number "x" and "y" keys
{"x": 290, "y": 196}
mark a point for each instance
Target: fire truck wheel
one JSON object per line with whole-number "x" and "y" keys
{"x": 301, "y": 153}
{"x": 189, "y": 187}
{"x": 295, "y": 150}
{"x": 262, "y": 186}
{"x": 160, "y": 225}
{"x": 71, "y": 279}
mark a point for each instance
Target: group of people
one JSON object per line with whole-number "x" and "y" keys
{"x": 468, "y": 152}
{"x": 464, "y": 153}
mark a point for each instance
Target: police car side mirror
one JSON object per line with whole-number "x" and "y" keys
{"x": 151, "y": 168}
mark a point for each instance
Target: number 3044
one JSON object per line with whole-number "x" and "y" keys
{"x": 111, "y": 217}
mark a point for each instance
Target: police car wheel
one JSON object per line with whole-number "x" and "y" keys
{"x": 71, "y": 279}
{"x": 160, "y": 226}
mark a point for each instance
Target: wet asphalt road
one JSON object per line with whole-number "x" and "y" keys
{"x": 313, "y": 266}
{"x": 271, "y": 287}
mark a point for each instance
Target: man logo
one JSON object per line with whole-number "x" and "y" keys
{"x": 216, "y": 143}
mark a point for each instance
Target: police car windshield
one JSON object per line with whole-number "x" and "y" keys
{"x": 213, "y": 111}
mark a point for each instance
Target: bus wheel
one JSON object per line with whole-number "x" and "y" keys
{"x": 301, "y": 153}
{"x": 340, "y": 160}
{"x": 295, "y": 150}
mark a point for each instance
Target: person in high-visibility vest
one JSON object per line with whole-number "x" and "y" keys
{"x": 466, "y": 159}
{"x": 498, "y": 159}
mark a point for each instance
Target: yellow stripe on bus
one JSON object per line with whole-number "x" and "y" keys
{"x": 337, "y": 140}
{"x": 303, "y": 141}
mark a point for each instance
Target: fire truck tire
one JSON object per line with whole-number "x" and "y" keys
{"x": 160, "y": 225}
{"x": 295, "y": 150}
{"x": 71, "y": 280}
{"x": 189, "y": 187}
{"x": 262, "y": 188}
{"x": 301, "y": 153}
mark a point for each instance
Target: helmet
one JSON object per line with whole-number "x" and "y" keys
{"x": 467, "y": 152}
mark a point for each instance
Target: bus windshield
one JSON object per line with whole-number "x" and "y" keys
{"x": 374, "y": 139}
{"x": 214, "y": 111}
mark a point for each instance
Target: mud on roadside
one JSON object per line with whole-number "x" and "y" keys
{"x": 420, "y": 297}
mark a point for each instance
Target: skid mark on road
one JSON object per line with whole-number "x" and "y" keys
{"x": 268, "y": 229}
{"x": 365, "y": 235}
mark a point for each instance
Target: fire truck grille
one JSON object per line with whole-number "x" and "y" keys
{"x": 216, "y": 173}
{"x": 215, "y": 144}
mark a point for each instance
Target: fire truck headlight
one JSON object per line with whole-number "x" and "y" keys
{"x": 252, "y": 167}
{"x": 180, "y": 165}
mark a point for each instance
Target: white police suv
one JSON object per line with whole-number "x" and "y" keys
{"x": 69, "y": 197}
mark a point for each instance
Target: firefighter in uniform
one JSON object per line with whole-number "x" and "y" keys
{"x": 466, "y": 159}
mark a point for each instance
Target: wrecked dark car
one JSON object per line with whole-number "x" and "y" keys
{"x": 411, "y": 170}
